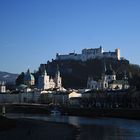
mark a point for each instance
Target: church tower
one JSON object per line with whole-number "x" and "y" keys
{"x": 107, "y": 77}
{"x": 43, "y": 81}
{"x": 104, "y": 81}
{"x": 110, "y": 74}
{"x": 58, "y": 79}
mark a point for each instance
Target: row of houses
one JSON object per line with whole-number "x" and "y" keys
{"x": 52, "y": 97}
{"x": 77, "y": 98}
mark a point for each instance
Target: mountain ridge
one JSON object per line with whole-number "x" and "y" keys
{"x": 8, "y": 77}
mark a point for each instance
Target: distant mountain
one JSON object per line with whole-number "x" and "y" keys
{"x": 8, "y": 77}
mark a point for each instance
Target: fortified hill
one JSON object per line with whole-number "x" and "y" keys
{"x": 88, "y": 54}
{"x": 76, "y": 68}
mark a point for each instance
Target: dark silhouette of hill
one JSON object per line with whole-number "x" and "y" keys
{"x": 75, "y": 73}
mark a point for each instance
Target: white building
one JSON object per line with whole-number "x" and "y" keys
{"x": 90, "y": 54}
{"x": 2, "y": 87}
{"x": 45, "y": 82}
{"x": 74, "y": 94}
{"x": 108, "y": 82}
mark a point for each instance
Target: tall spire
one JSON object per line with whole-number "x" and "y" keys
{"x": 44, "y": 71}
{"x": 104, "y": 69}
{"x": 125, "y": 75}
{"x": 28, "y": 71}
{"x": 57, "y": 67}
{"x": 57, "y": 70}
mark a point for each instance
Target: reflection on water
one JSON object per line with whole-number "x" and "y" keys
{"x": 95, "y": 129}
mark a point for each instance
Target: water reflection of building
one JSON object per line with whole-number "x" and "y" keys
{"x": 74, "y": 121}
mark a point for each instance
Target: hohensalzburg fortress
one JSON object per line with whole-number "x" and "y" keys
{"x": 90, "y": 54}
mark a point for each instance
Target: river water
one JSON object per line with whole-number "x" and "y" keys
{"x": 94, "y": 128}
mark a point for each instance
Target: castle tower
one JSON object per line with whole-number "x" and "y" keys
{"x": 118, "y": 54}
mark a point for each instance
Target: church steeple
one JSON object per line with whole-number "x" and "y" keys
{"x": 125, "y": 76}
{"x": 57, "y": 71}
{"x": 58, "y": 78}
{"x": 104, "y": 70}
{"x": 28, "y": 71}
{"x": 45, "y": 73}
{"x": 104, "y": 67}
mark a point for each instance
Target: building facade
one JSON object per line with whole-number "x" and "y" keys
{"x": 108, "y": 82}
{"x": 90, "y": 54}
{"x": 2, "y": 87}
{"x": 46, "y": 82}
{"x": 29, "y": 79}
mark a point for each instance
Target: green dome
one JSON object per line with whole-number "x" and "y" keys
{"x": 28, "y": 76}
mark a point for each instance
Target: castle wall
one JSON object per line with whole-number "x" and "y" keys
{"x": 90, "y": 54}
{"x": 69, "y": 57}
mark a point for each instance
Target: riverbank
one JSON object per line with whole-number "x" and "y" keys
{"x": 27, "y": 108}
{"x": 112, "y": 113}
{"x": 28, "y": 129}
{"x": 83, "y": 112}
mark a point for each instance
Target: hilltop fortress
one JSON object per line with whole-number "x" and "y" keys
{"x": 90, "y": 54}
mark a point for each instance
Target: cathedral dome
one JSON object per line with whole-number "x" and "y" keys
{"x": 28, "y": 76}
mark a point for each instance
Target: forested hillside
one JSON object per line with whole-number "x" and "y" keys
{"x": 76, "y": 73}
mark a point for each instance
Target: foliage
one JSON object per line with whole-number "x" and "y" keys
{"x": 75, "y": 73}
{"x": 20, "y": 79}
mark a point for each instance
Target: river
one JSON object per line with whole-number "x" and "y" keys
{"x": 94, "y": 128}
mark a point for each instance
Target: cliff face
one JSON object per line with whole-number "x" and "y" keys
{"x": 75, "y": 73}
